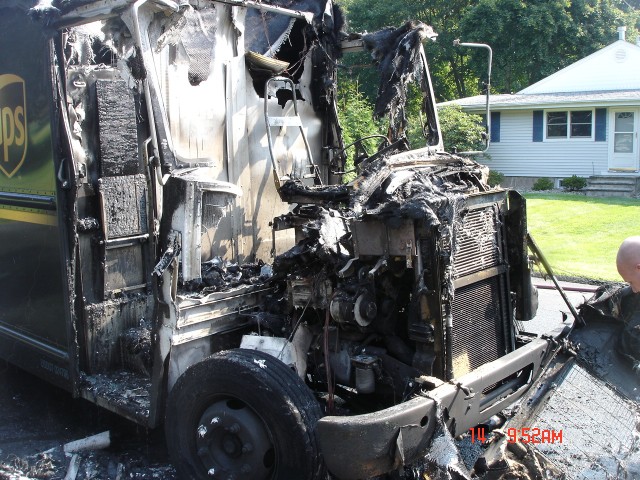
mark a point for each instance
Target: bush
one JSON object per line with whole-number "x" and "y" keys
{"x": 574, "y": 183}
{"x": 495, "y": 178}
{"x": 543, "y": 184}
{"x": 460, "y": 130}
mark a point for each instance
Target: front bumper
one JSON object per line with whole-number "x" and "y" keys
{"x": 363, "y": 446}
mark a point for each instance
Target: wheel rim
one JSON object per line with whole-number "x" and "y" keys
{"x": 233, "y": 442}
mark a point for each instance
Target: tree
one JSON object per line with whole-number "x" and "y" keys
{"x": 355, "y": 114}
{"x": 460, "y": 130}
{"x": 595, "y": 23}
{"x": 452, "y": 77}
{"x": 532, "y": 39}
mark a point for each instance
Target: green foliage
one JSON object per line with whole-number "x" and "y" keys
{"x": 449, "y": 66}
{"x": 460, "y": 130}
{"x": 355, "y": 114}
{"x": 414, "y": 131}
{"x": 518, "y": 57}
{"x": 580, "y": 235}
{"x": 543, "y": 184}
{"x": 532, "y": 39}
{"x": 574, "y": 183}
{"x": 495, "y": 178}
{"x": 356, "y": 97}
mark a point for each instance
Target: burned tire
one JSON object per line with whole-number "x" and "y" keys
{"x": 242, "y": 414}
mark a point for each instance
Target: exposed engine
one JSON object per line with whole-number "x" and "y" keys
{"x": 406, "y": 281}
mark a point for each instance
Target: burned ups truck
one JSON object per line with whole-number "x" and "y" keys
{"x": 180, "y": 247}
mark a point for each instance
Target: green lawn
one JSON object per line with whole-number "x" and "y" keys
{"x": 580, "y": 235}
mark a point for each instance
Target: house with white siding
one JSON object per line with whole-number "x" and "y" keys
{"x": 582, "y": 120}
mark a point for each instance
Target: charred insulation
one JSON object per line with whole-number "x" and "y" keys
{"x": 396, "y": 52}
{"x": 220, "y": 275}
{"x": 136, "y": 65}
{"x": 198, "y": 40}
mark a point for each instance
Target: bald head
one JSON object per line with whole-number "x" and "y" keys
{"x": 628, "y": 262}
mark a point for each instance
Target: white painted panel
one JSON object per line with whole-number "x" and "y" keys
{"x": 517, "y": 155}
{"x": 197, "y": 113}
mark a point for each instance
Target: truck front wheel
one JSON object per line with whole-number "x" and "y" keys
{"x": 242, "y": 414}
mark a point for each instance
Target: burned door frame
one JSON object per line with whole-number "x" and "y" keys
{"x": 109, "y": 217}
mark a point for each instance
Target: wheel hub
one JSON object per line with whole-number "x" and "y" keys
{"x": 233, "y": 442}
{"x": 232, "y": 445}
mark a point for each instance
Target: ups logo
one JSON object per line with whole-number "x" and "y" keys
{"x": 13, "y": 124}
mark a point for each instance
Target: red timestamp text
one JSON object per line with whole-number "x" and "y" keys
{"x": 534, "y": 435}
{"x": 523, "y": 435}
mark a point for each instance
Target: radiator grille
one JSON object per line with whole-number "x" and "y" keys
{"x": 477, "y": 243}
{"x": 478, "y": 335}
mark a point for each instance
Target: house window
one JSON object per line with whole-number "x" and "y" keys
{"x": 556, "y": 124}
{"x": 570, "y": 124}
{"x": 581, "y": 124}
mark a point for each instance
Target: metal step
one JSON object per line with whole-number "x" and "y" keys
{"x": 123, "y": 392}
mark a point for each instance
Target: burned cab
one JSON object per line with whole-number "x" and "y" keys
{"x": 184, "y": 248}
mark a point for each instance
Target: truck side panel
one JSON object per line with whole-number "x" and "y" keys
{"x": 33, "y": 331}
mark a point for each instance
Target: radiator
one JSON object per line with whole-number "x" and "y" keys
{"x": 480, "y": 331}
{"x": 478, "y": 334}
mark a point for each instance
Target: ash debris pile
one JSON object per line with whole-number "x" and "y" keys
{"x": 221, "y": 275}
{"x": 618, "y": 305}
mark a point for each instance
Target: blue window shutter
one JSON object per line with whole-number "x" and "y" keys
{"x": 537, "y": 125}
{"x": 495, "y": 127}
{"x": 601, "y": 124}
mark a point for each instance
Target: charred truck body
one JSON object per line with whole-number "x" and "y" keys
{"x": 179, "y": 246}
